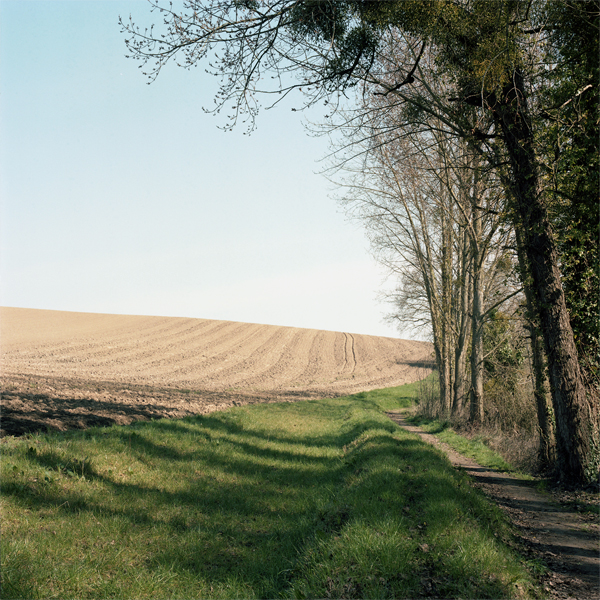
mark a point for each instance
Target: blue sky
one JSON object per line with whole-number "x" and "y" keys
{"x": 122, "y": 197}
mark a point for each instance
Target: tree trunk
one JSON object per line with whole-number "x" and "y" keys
{"x": 463, "y": 312}
{"x": 476, "y": 399}
{"x": 547, "y": 450}
{"x": 460, "y": 371}
{"x": 441, "y": 353}
{"x": 443, "y": 366}
{"x": 446, "y": 392}
{"x": 547, "y": 442}
{"x": 447, "y": 302}
{"x": 575, "y": 422}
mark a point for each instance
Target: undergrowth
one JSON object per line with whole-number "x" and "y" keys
{"x": 508, "y": 439}
{"x": 314, "y": 499}
{"x": 475, "y": 447}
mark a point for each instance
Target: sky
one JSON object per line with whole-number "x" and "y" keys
{"x": 121, "y": 197}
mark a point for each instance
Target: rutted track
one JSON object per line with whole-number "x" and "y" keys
{"x": 218, "y": 362}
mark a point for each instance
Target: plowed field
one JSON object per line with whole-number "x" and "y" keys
{"x": 63, "y": 369}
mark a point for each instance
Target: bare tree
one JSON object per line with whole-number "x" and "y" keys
{"x": 435, "y": 224}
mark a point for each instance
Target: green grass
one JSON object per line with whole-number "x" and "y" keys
{"x": 313, "y": 499}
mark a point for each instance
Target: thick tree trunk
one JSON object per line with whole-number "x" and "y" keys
{"x": 575, "y": 423}
{"x": 547, "y": 454}
{"x": 547, "y": 450}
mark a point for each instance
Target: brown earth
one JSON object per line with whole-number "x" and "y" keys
{"x": 63, "y": 370}
{"x": 557, "y": 528}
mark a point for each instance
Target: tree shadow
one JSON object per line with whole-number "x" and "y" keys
{"x": 254, "y": 520}
{"x": 33, "y": 404}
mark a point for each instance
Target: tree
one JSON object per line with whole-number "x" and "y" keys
{"x": 496, "y": 77}
{"x": 491, "y": 53}
{"x": 396, "y": 193}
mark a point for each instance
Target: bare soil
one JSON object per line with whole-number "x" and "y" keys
{"x": 559, "y": 528}
{"x": 64, "y": 370}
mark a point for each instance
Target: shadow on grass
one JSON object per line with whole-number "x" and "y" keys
{"x": 252, "y": 501}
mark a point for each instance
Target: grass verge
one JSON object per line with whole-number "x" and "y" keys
{"x": 313, "y": 499}
{"x": 474, "y": 448}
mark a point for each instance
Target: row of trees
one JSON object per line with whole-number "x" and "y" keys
{"x": 436, "y": 219}
{"x": 476, "y": 123}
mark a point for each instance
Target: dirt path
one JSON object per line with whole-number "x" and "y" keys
{"x": 565, "y": 540}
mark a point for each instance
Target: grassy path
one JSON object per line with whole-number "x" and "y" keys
{"x": 313, "y": 499}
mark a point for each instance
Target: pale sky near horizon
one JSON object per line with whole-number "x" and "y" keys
{"x": 122, "y": 197}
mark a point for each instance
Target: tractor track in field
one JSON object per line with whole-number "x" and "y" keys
{"x": 350, "y": 356}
